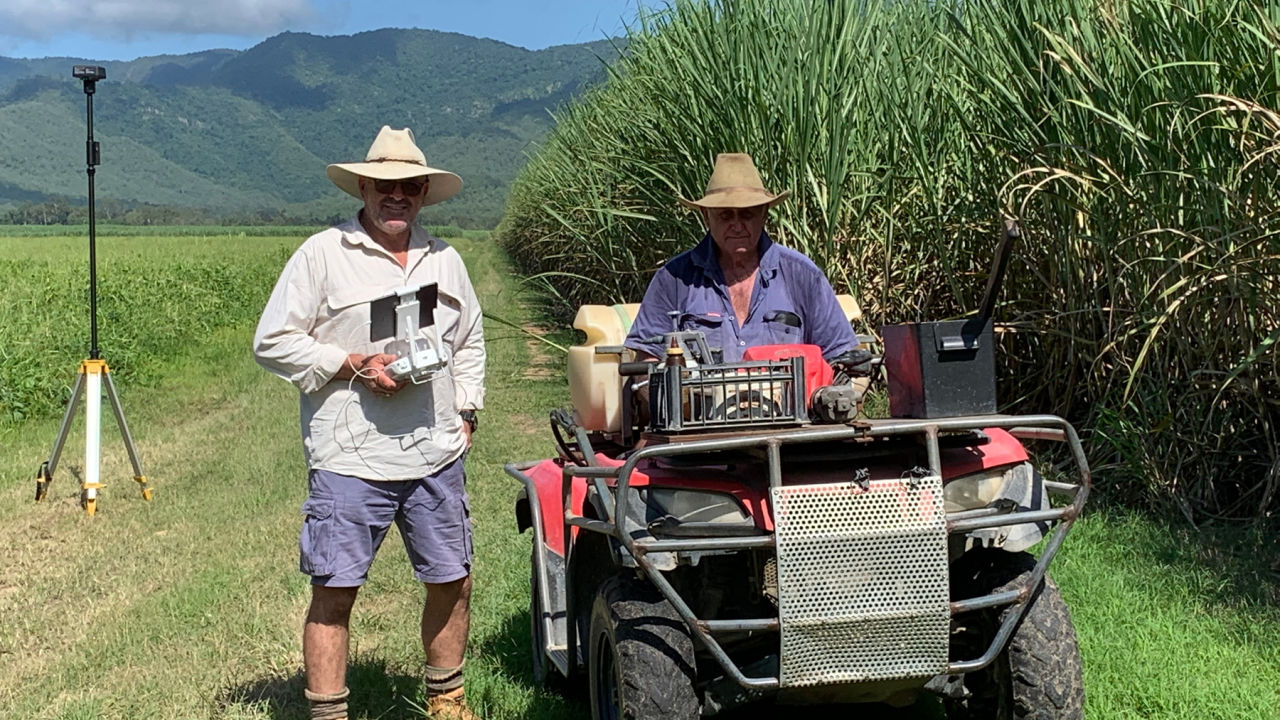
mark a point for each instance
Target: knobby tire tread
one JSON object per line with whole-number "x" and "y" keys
{"x": 1042, "y": 658}
{"x": 653, "y": 651}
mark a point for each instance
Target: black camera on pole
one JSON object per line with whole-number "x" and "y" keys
{"x": 89, "y": 72}
{"x": 90, "y": 75}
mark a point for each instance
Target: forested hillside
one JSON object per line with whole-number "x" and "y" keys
{"x": 248, "y": 133}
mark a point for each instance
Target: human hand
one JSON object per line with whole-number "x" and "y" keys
{"x": 373, "y": 375}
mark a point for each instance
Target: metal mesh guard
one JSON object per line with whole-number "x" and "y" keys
{"x": 862, "y": 581}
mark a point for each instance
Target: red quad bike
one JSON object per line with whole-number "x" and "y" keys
{"x": 766, "y": 542}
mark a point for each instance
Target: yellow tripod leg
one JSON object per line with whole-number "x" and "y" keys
{"x": 42, "y": 481}
{"x": 139, "y": 476}
{"x": 44, "y": 475}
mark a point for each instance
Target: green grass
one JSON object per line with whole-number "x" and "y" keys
{"x": 1174, "y": 622}
{"x": 157, "y": 297}
{"x": 190, "y": 606}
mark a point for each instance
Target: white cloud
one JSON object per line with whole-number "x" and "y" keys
{"x": 122, "y": 19}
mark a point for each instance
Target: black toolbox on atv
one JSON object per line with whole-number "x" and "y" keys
{"x": 948, "y": 369}
{"x": 940, "y": 369}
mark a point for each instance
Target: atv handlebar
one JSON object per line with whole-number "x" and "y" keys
{"x": 638, "y": 367}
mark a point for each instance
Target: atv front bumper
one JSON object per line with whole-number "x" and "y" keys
{"x": 836, "y": 623}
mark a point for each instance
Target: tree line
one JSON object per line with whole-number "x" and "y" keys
{"x": 61, "y": 211}
{"x": 58, "y": 210}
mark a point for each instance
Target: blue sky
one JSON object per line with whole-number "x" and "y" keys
{"x": 126, "y": 29}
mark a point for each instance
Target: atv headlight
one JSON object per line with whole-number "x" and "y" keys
{"x": 691, "y": 506}
{"x": 973, "y": 491}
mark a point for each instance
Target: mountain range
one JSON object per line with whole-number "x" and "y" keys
{"x": 231, "y": 131}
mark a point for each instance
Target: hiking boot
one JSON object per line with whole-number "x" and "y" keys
{"x": 450, "y": 706}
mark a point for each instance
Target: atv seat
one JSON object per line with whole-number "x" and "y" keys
{"x": 595, "y": 387}
{"x": 852, "y": 310}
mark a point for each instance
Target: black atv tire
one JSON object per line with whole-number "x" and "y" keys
{"x": 1039, "y": 676}
{"x": 641, "y": 663}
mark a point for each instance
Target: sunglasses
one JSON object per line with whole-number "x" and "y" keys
{"x": 410, "y": 188}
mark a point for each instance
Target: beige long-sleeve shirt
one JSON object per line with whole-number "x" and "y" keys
{"x": 319, "y": 312}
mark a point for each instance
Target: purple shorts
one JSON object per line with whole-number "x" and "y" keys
{"x": 347, "y": 518}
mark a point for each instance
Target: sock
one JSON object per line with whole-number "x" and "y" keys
{"x": 328, "y": 707}
{"x": 442, "y": 680}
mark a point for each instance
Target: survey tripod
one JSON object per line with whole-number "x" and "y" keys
{"x": 94, "y": 373}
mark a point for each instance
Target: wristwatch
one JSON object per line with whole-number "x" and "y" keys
{"x": 469, "y": 417}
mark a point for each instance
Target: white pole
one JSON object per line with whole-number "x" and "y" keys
{"x": 93, "y": 432}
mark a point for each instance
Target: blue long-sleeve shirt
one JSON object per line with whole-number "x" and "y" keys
{"x": 693, "y": 284}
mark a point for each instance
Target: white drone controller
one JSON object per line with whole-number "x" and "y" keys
{"x": 419, "y": 357}
{"x": 417, "y": 365}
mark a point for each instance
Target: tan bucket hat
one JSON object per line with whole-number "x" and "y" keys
{"x": 735, "y": 183}
{"x": 394, "y": 155}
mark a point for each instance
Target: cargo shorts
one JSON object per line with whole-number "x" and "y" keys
{"x": 346, "y": 519}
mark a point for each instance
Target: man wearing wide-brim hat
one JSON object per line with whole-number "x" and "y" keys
{"x": 381, "y": 446}
{"x": 737, "y": 286}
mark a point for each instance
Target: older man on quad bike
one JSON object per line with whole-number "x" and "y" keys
{"x": 764, "y": 541}
{"x": 737, "y": 286}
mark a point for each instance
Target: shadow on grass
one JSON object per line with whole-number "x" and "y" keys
{"x": 565, "y": 701}
{"x": 1236, "y": 563}
{"x": 377, "y": 691}
{"x": 510, "y": 646}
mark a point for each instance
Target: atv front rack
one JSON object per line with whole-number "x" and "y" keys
{"x": 613, "y": 484}
{"x": 757, "y": 393}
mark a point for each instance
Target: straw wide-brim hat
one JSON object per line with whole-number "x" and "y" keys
{"x": 394, "y": 155}
{"x": 735, "y": 183}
